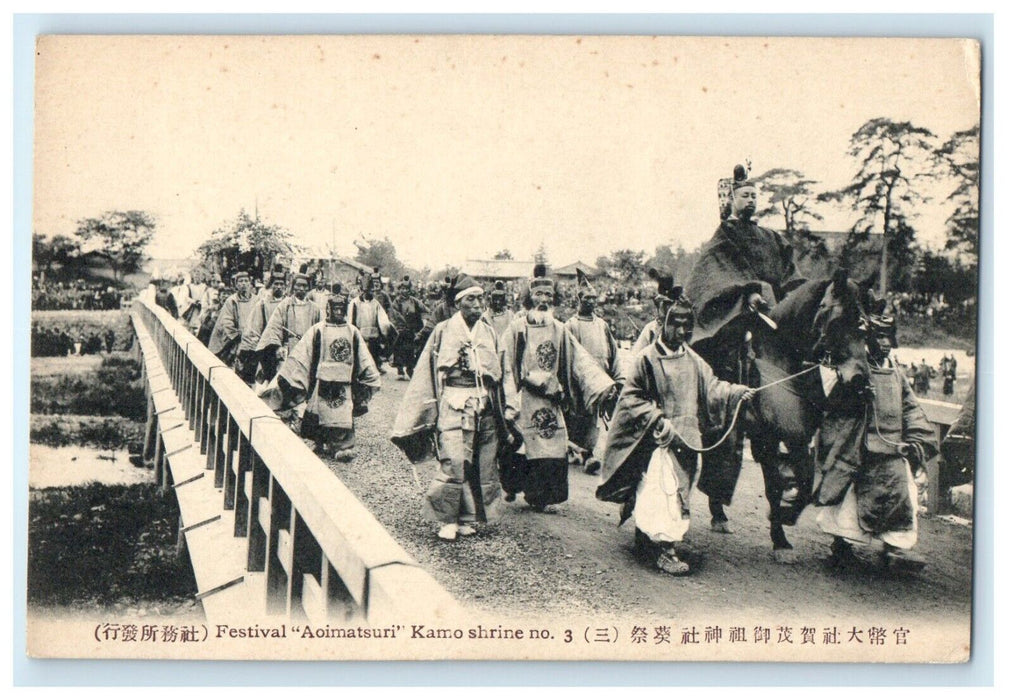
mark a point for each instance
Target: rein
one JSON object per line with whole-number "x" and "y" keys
{"x": 735, "y": 414}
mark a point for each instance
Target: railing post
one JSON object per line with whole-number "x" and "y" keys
{"x": 278, "y": 549}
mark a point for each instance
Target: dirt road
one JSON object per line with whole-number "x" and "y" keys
{"x": 577, "y": 561}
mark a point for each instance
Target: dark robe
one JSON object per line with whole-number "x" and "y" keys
{"x": 858, "y": 446}
{"x": 740, "y": 259}
{"x": 407, "y": 316}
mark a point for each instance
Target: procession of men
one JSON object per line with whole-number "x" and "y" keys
{"x": 506, "y": 397}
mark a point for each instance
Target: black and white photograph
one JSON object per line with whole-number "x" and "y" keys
{"x": 519, "y": 347}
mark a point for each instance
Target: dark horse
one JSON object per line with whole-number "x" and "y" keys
{"x": 821, "y": 323}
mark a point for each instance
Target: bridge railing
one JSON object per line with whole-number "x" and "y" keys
{"x": 323, "y": 554}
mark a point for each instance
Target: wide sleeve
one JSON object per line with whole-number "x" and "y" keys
{"x": 718, "y": 398}
{"x": 366, "y": 369}
{"x": 508, "y": 364}
{"x": 254, "y": 328}
{"x": 415, "y": 425}
{"x": 588, "y": 382}
{"x": 383, "y": 322}
{"x": 297, "y": 370}
{"x": 274, "y": 331}
{"x": 617, "y": 369}
{"x": 627, "y": 448}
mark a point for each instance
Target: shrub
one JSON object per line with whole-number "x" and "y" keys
{"x": 101, "y": 544}
{"x": 114, "y": 389}
{"x": 102, "y": 432}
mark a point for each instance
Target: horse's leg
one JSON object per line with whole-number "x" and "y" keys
{"x": 719, "y": 473}
{"x": 765, "y": 453}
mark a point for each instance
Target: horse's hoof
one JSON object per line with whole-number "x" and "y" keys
{"x": 785, "y": 556}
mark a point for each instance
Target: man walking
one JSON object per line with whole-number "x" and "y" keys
{"x": 547, "y": 373}
{"x": 451, "y": 404}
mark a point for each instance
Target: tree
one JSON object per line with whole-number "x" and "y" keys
{"x": 380, "y": 252}
{"x": 504, "y": 254}
{"x": 246, "y": 243}
{"x": 56, "y": 250}
{"x": 890, "y": 156}
{"x": 790, "y": 197}
{"x": 663, "y": 259}
{"x": 119, "y": 237}
{"x": 626, "y": 265}
{"x": 958, "y": 159}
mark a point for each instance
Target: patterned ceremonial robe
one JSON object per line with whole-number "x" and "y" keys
{"x": 441, "y": 402}
{"x": 546, "y": 372}
{"x": 680, "y": 386}
{"x": 500, "y": 321}
{"x": 858, "y": 448}
{"x": 229, "y": 327}
{"x": 289, "y": 322}
{"x": 332, "y": 367}
{"x": 740, "y": 259}
{"x": 594, "y": 336}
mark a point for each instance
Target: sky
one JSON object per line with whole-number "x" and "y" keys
{"x": 456, "y": 147}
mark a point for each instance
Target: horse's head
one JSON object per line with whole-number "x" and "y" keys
{"x": 840, "y": 330}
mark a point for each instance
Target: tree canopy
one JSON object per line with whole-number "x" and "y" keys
{"x": 246, "y": 243}
{"x": 119, "y": 237}
{"x": 958, "y": 159}
{"x": 891, "y": 158}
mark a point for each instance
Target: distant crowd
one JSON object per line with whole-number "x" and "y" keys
{"x": 48, "y": 295}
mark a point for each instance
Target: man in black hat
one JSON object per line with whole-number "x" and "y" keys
{"x": 257, "y": 321}
{"x": 331, "y": 369}
{"x": 407, "y": 314}
{"x": 498, "y": 314}
{"x": 289, "y": 322}
{"x": 670, "y": 397}
{"x": 441, "y": 308}
{"x": 872, "y": 449}
{"x": 547, "y": 373}
{"x": 368, "y": 315}
{"x": 744, "y": 269}
{"x": 452, "y": 404}
{"x": 593, "y": 333}
{"x": 232, "y": 320}
{"x": 662, "y": 301}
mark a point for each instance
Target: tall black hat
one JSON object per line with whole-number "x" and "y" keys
{"x": 584, "y": 285}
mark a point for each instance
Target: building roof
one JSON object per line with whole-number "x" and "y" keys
{"x": 571, "y": 269}
{"x": 498, "y": 269}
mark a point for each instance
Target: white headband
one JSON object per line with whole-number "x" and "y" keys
{"x": 475, "y": 289}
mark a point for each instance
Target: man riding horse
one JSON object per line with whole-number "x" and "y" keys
{"x": 743, "y": 271}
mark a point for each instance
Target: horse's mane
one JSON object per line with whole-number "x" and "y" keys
{"x": 794, "y": 315}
